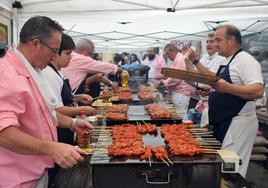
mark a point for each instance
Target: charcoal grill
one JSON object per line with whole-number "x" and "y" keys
{"x": 202, "y": 171}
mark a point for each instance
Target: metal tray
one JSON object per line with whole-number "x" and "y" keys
{"x": 137, "y": 113}
{"x": 134, "y": 101}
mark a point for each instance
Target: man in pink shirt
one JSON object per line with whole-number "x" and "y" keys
{"x": 81, "y": 64}
{"x": 28, "y": 139}
{"x": 180, "y": 91}
{"x": 155, "y": 62}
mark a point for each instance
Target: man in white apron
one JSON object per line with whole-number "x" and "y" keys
{"x": 231, "y": 105}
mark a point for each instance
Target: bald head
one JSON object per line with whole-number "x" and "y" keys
{"x": 151, "y": 50}
{"x": 151, "y": 53}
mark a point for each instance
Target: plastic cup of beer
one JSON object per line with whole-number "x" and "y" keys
{"x": 83, "y": 142}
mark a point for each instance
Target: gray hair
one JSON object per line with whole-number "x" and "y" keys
{"x": 84, "y": 43}
{"x": 171, "y": 47}
{"x": 41, "y": 27}
{"x": 211, "y": 35}
{"x": 232, "y": 31}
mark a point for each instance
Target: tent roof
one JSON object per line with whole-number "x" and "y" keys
{"x": 136, "y": 24}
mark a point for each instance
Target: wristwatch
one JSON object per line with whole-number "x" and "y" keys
{"x": 195, "y": 62}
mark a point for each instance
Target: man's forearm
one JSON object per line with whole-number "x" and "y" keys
{"x": 248, "y": 92}
{"x": 64, "y": 121}
{"x": 105, "y": 80}
{"x": 202, "y": 69}
{"x": 17, "y": 141}
{"x": 189, "y": 66}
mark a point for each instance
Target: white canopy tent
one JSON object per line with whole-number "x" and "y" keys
{"x": 131, "y": 25}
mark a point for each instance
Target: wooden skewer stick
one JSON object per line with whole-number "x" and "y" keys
{"x": 165, "y": 161}
{"x": 210, "y": 152}
{"x": 101, "y": 136}
{"x": 209, "y": 143}
{"x": 198, "y": 131}
{"x": 211, "y": 139}
{"x": 107, "y": 133}
{"x": 104, "y": 142}
{"x": 101, "y": 130}
{"x": 169, "y": 161}
{"x": 106, "y": 127}
{"x": 95, "y": 152}
{"x": 98, "y": 149}
{"x": 150, "y": 163}
{"x": 213, "y": 150}
{"x": 193, "y": 129}
{"x": 211, "y": 147}
{"x": 145, "y": 122}
{"x": 201, "y": 133}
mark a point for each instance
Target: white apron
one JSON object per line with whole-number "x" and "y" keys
{"x": 240, "y": 138}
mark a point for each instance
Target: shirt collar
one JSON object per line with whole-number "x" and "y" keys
{"x": 213, "y": 56}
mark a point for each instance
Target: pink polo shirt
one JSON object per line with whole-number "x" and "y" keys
{"x": 22, "y": 106}
{"x": 176, "y": 85}
{"x": 81, "y": 65}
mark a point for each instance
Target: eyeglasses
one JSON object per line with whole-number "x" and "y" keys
{"x": 55, "y": 50}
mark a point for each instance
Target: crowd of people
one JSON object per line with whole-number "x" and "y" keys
{"x": 48, "y": 79}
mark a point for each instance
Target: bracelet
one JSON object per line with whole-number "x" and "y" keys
{"x": 195, "y": 62}
{"x": 73, "y": 124}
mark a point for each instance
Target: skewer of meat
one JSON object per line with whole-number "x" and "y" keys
{"x": 148, "y": 154}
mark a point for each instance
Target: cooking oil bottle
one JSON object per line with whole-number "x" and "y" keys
{"x": 124, "y": 78}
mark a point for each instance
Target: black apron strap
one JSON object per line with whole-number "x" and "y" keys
{"x": 65, "y": 135}
{"x": 66, "y": 92}
{"x": 223, "y": 106}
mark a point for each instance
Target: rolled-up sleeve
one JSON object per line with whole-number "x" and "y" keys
{"x": 99, "y": 66}
{"x": 11, "y": 106}
{"x": 8, "y": 119}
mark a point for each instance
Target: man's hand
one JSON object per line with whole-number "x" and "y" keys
{"x": 192, "y": 55}
{"x": 203, "y": 91}
{"x": 84, "y": 98}
{"x": 222, "y": 86}
{"x": 66, "y": 156}
{"x": 83, "y": 127}
{"x": 119, "y": 70}
{"x": 114, "y": 86}
{"x": 88, "y": 110}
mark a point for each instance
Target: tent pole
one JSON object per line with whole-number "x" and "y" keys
{"x": 15, "y": 26}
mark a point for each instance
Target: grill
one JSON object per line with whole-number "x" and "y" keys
{"x": 187, "y": 171}
{"x": 137, "y": 113}
{"x": 134, "y": 101}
